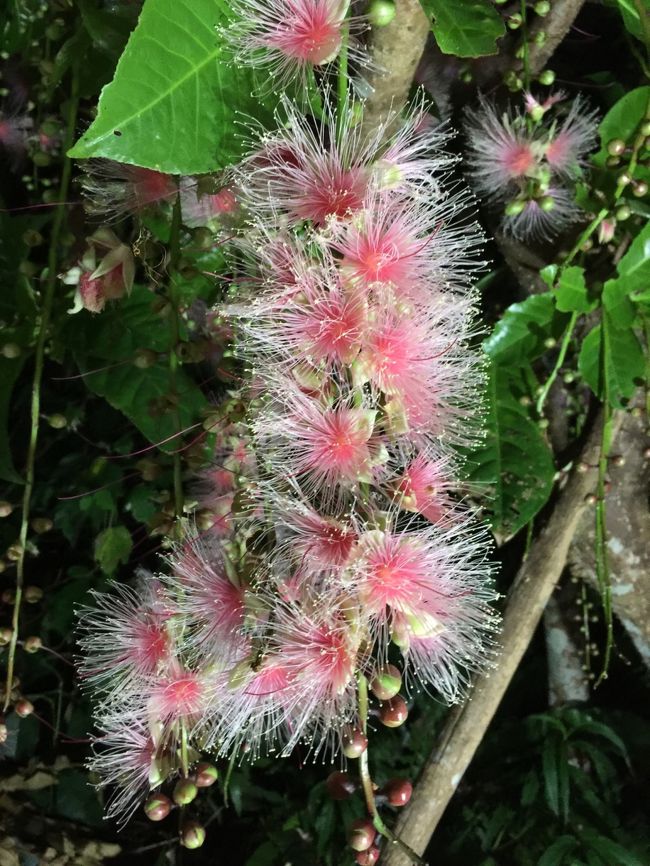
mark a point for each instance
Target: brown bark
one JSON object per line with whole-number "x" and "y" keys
{"x": 467, "y": 724}
{"x": 556, "y": 25}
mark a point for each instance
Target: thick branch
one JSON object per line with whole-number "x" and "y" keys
{"x": 467, "y": 725}
{"x": 396, "y": 51}
{"x": 556, "y": 26}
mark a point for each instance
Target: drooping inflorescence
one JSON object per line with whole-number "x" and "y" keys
{"x": 526, "y": 160}
{"x": 344, "y": 547}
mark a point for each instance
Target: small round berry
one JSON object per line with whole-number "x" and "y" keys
{"x": 591, "y": 499}
{"x": 23, "y": 708}
{"x": 185, "y": 791}
{"x": 616, "y": 147}
{"x": 157, "y": 807}
{"x": 33, "y": 594}
{"x": 5, "y": 636}
{"x": 340, "y": 785}
{"x": 42, "y": 524}
{"x": 14, "y": 552}
{"x": 381, "y": 12}
{"x": 393, "y": 713}
{"x": 623, "y": 213}
{"x": 640, "y": 189}
{"x": 386, "y": 682}
{"x": 369, "y": 857}
{"x": 624, "y": 178}
{"x": 542, "y": 8}
{"x": 192, "y": 835}
{"x": 546, "y": 77}
{"x": 398, "y": 791}
{"x": 361, "y": 835}
{"x": 57, "y": 421}
{"x": 205, "y": 775}
{"x": 355, "y": 742}
{"x": 11, "y": 350}
{"x": 5, "y": 508}
{"x": 515, "y": 21}
{"x": 32, "y": 644}
{"x": 540, "y": 37}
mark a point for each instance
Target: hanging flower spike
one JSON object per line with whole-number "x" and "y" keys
{"x": 115, "y": 190}
{"x": 287, "y": 37}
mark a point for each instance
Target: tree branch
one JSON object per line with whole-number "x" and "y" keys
{"x": 467, "y": 724}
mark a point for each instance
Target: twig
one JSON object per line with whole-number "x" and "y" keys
{"x": 528, "y": 597}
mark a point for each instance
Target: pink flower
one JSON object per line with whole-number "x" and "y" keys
{"x": 180, "y": 694}
{"x": 572, "y": 138}
{"x": 99, "y": 280}
{"x": 201, "y": 208}
{"x": 321, "y": 447}
{"x": 116, "y": 190}
{"x": 287, "y": 36}
{"x": 423, "y": 487}
{"x": 124, "y": 639}
{"x": 14, "y": 132}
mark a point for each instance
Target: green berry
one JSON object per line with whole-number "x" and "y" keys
{"x": 381, "y": 12}
{"x": 542, "y": 8}
{"x": 386, "y": 682}
{"x": 623, "y": 213}
{"x": 616, "y": 147}
{"x": 546, "y": 77}
{"x": 185, "y": 791}
{"x": 192, "y": 835}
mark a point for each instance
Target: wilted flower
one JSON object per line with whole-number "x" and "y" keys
{"x": 105, "y": 272}
{"x": 114, "y": 190}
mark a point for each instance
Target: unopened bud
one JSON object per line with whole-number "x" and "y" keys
{"x": 393, "y": 713}
{"x": 192, "y": 835}
{"x": 381, "y": 12}
{"x": 361, "y": 835}
{"x": 41, "y": 525}
{"x": 144, "y": 358}
{"x": 23, "y": 708}
{"x": 542, "y": 8}
{"x": 354, "y": 742}
{"x": 11, "y": 350}
{"x": 5, "y": 508}
{"x": 367, "y": 858}
{"x": 57, "y": 421}
{"x": 515, "y": 21}
{"x": 546, "y": 77}
{"x": 640, "y": 188}
{"x": 14, "y": 551}
{"x": 32, "y": 644}
{"x": 5, "y": 636}
{"x": 33, "y": 594}
{"x": 185, "y": 791}
{"x": 623, "y": 213}
{"x": 386, "y": 682}
{"x": 157, "y": 807}
{"x": 616, "y": 147}
{"x": 205, "y": 775}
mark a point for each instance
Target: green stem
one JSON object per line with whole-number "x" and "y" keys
{"x": 366, "y": 781}
{"x": 174, "y": 362}
{"x": 39, "y": 359}
{"x": 558, "y": 364}
{"x": 524, "y": 35}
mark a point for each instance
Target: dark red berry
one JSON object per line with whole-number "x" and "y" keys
{"x": 340, "y": 785}
{"x": 205, "y": 775}
{"x": 361, "y": 835}
{"x": 393, "y": 713}
{"x": 398, "y": 791}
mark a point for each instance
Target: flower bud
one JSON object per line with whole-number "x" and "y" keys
{"x": 5, "y": 636}
{"x": 32, "y": 644}
{"x": 369, "y": 857}
{"x": 205, "y": 775}
{"x": 623, "y": 213}
{"x": 546, "y": 77}
{"x": 157, "y": 807}
{"x": 542, "y": 8}
{"x": 514, "y": 208}
{"x": 355, "y": 742}
{"x": 23, "y": 708}
{"x": 5, "y": 508}
{"x": 340, "y": 785}
{"x": 4, "y": 733}
{"x": 393, "y": 713}
{"x": 397, "y": 791}
{"x": 386, "y": 682}
{"x": 144, "y": 358}
{"x": 185, "y": 791}
{"x": 57, "y": 421}
{"x": 616, "y": 147}
{"x": 33, "y": 594}
{"x": 381, "y": 12}
{"x": 42, "y": 524}
{"x": 640, "y": 188}
{"x": 361, "y": 834}
{"x": 11, "y": 350}
{"x": 515, "y": 21}
{"x": 192, "y": 835}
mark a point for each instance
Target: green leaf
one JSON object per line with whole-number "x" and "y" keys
{"x": 634, "y": 267}
{"x": 112, "y": 548}
{"x": 513, "y": 464}
{"x": 520, "y": 334}
{"x": 617, "y": 303}
{"x": 554, "y": 854}
{"x": 621, "y": 367}
{"x": 571, "y": 292}
{"x": 466, "y": 28}
{"x": 622, "y": 121}
{"x": 176, "y": 95}
{"x": 631, "y": 18}
{"x": 611, "y": 851}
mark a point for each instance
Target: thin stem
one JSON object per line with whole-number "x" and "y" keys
{"x": 524, "y": 36}
{"x": 174, "y": 362}
{"x": 558, "y": 364}
{"x": 39, "y": 359}
{"x": 366, "y": 781}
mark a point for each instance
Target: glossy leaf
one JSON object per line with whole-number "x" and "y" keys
{"x": 174, "y": 102}
{"x": 513, "y": 465}
{"x": 520, "y": 334}
{"x": 465, "y": 28}
{"x": 621, "y": 367}
{"x": 634, "y": 267}
{"x": 571, "y": 292}
{"x": 622, "y": 121}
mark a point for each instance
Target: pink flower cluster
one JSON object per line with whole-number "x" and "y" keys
{"x": 347, "y": 546}
{"x": 526, "y": 161}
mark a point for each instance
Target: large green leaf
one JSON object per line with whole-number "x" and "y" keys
{"x": 520, "y": 334}
{"x": 466, "y": 28}
{"x": 176, "y": 94}
{"x": 513, "y": 464}
{"x": 614, "y": 358}
{"x": 634, "y": 267}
